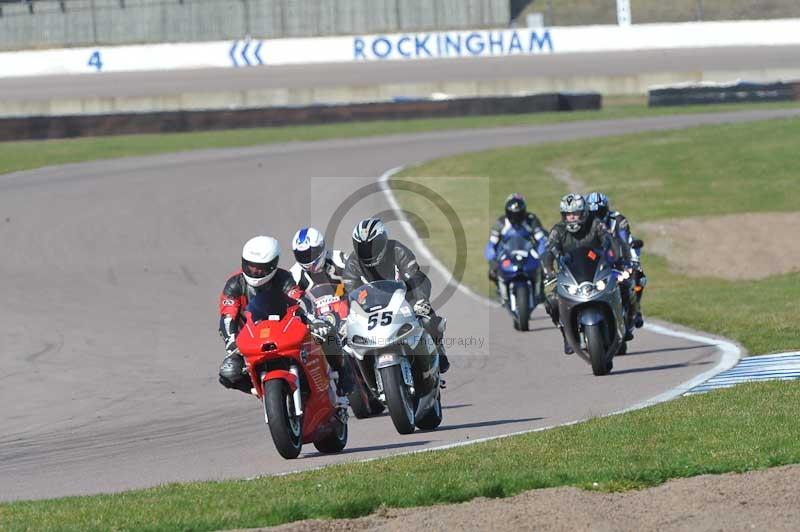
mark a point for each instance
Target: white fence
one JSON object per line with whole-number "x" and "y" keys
{"x": 400, "y": 47}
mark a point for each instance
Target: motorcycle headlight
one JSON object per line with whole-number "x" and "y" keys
{"x": 586, "y": 289}
{"x": 572, "y": 289}
{"x": 601, "y": 285}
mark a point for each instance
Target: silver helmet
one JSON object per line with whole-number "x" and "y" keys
{"x": 574, "y": 204}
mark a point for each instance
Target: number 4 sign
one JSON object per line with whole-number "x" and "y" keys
{"x": 95, "y": 61}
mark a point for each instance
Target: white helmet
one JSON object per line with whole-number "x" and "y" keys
{"x": 308, "y": 246}
{"x": 260, "y": 260}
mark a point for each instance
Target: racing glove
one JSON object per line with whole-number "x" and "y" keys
{"x": 320, "y": 329}
{"x": 423, "y": 308}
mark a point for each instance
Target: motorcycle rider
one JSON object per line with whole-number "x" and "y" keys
{"x": 259, "y": 273}
{"x": 376, "y": 257}
{"x": 316, "y": 264}
{"x": 618, "y": 225}
{"x": 515, "y": 218}
{"x": 574, "y": 230}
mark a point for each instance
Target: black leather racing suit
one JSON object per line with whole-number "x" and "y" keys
{"x": 620, "y": 228}
{"x": 593, "y": 233}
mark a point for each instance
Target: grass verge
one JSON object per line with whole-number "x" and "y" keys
{"x": 25, "y": 155}
{"x": 700, "y": 171}
{"x": 748, "y": 427}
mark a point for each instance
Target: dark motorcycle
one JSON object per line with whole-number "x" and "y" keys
{"x": 519, "y": 276}
{"x": 590, "y": 306}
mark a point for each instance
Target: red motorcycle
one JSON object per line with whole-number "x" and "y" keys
{"x": 328, "y": 301}
{"x": 291, "y": 376}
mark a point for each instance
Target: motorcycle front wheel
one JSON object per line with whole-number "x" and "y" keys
{"x": 521, "y": 295}
{"x": 597, "y": 350}
{"x": 285, "y": 427}
{"x": 398, "y": 399}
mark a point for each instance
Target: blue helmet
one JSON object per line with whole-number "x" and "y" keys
{"x": 308, "y": 246}
{"x": 598, "y": 204}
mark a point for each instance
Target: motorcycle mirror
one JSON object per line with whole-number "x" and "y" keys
{"x": 637, "y": 244}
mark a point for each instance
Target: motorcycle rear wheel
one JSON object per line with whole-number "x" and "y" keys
{"x": 334, "y": 442}
{"x": 433, "y": 418}
{"x": 286, "y": 428}
{"x": 359, "y": 402}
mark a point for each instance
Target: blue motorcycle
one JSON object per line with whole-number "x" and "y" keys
{"x": 519, "y": 275}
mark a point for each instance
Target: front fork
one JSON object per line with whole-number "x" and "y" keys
{"x": 405, "y": 369}
{"x": 297, "y": 399}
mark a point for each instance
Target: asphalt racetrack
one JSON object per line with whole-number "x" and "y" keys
{"x": 111, "y": 272}
{"x": 739, "y": 61}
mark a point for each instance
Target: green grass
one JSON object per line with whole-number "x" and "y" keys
{"x": 700, "y": 171}
{"x": 748, "y": 427}
{"x": 15, "y": 156}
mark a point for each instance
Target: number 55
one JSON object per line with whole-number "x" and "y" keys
{"x": 372, "y": 322}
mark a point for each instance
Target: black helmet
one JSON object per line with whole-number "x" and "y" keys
{"x": 516, "y": 210}
{"x": 369, "y": 242}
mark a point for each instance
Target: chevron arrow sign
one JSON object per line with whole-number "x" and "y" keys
{"x": 246, "y": 53}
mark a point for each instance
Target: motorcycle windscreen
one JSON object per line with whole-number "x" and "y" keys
{"x": 516, "y": 242}
{"x": 267, "y": 303}
{"x": 376, "y": 295}
{"x": 583, "y": 263}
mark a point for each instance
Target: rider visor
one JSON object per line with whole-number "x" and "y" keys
{"x": 258, "y": 270}
{"x": 308, "y": 256}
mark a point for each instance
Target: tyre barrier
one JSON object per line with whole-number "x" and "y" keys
{"x": 740, "y": 92}
{"x": 51, "y": 127}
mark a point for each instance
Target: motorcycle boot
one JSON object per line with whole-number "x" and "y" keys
{"x": 437, "y": 325}
{"x": 640, "y": 282}
{"x": 233, "y": 373}
{"x": 567, "y": 347}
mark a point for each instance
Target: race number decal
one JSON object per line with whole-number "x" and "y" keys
{"x": 385, "y": 317}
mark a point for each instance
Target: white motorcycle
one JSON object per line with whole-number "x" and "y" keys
{"x": 395, "y": 355}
